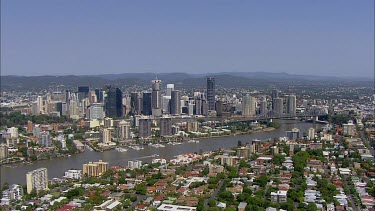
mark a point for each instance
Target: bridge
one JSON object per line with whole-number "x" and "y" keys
{"x": 313, "y": 112}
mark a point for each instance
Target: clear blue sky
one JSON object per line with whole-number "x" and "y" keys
{"x": 60, "y": 37}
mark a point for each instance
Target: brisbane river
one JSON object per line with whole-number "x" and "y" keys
{"x": 16, "y": 173}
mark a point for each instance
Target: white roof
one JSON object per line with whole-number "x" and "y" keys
{"x": 167, "y": 207}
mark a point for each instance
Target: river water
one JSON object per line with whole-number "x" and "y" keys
{"x": 16, "y": 173}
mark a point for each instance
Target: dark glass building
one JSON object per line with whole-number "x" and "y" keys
{"x": 175, "y": 103}
{"x": 83, "y": 92}
{"x": 113, "y": 102}
{"x": 99, "y": 95}
{"x": 211, "y": 93}
{"x": 146, "y": 108}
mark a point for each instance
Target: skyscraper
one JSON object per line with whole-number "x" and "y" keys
{"x": 248, "y": 105}
{"x": 263, "y": 106}
{"x": 124, "y": 130}
{"x": 113, "y": 102}
{"x": 40, "y": 106}
{"x": 175, "y": 103}
{"x": 147, "y": 102}
{"x": 291, "y": 104}
{"x": 135, "y": 103}
{"x": 170, "y": 88}
{"x": 99, "y": 95}
{"x": 278, "y": 106}
{"x": 166, "y": 104}
{"x": 165, "y": 126}
{"x": 144, "y": 129}
{"x": 45, "y": 139}
{"x": 156, "y": 98}
{"x": 106, "y": 136}
{"x": 198, "y": 106}
{"x": 275, "y": 94}
{"x": 83, "y": 92}
{"x": 37, "y": 180}
{"x": 211, "y": 93}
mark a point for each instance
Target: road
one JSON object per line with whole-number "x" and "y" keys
{"x": 213, "y": 195}
{"x": 139, "y": 199}
{"x": 350, "y": 195}
{"x": 367, "y": 141}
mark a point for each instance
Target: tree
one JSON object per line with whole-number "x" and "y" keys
{"x": 205, "y": 171}
{"x": 261, "y": 181}
{"x": 211, "y": 203}
{"x": 141, "y": 189}
{"x": 200, "y": 205}
{"x": 278, "y": 159}
{"x": 312, "y": 207}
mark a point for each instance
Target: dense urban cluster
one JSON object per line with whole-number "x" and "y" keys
{"x": 325, "y": 168}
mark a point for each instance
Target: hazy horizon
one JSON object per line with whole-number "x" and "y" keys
{"x": 319, "y": 38}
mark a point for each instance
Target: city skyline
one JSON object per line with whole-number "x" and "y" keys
{"x": 310, "y": 38}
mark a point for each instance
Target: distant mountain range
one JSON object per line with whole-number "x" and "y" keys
{"x": 184, "y": 80}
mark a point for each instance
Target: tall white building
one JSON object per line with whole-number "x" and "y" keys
{"x": 291, "y": 104}
{"x": 170, "y": 88}
{"x": 40, "y": 107}
{"x": 45, "y": 139}
{"x": 107, "y": 136}
{"x": 311, "y": 133}
{"x": 124, "y": 130}
{"x": 37, "y": 179}
{"x": 248, "y": 105}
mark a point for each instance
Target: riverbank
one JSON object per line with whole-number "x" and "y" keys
{"x": 34, "y": 161}
{"x": 15, "y": 173}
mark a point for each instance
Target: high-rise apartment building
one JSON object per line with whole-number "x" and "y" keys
{"x": 275, "y": 94}
{"x": 37, "y": 179}
{"x": 311, "y": 133}
{"x": 113, "y": 102}
{"x": 263, "y": 106}
{"x": 3, "y": 151}
{"x": 291, "y": 104}
{"x": 248, "y": 105}
{"x": 144, "y": 128}
{"x": 278, "y": 106}
{"x": 107, "y": 136}
{"x": 124, "y": 130}
{"x": 45, "y": 139}
{"x": 94, "y": 169}
{"x": 40, "y": 105}
{"x": 211, "y": 93}
{"x": 165, "y": 126}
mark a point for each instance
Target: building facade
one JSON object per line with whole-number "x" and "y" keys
{"x": 37, "y": 179}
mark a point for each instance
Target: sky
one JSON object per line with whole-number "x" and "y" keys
{"x": 88, "y": 37}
